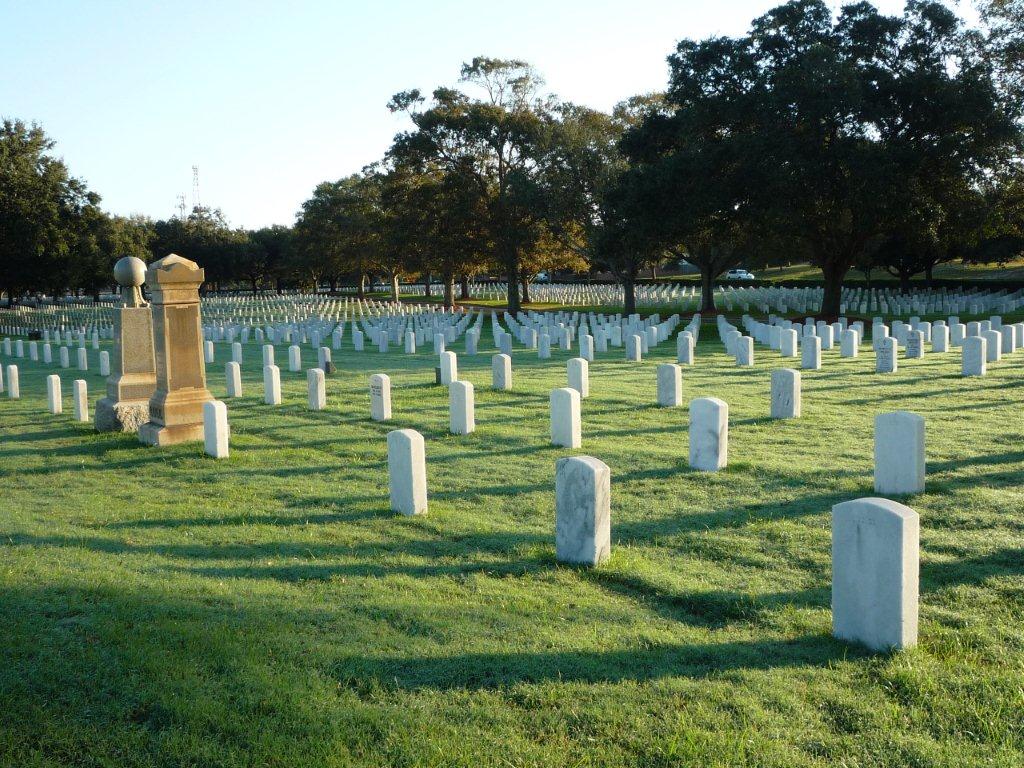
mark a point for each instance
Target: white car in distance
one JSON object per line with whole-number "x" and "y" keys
{"x": 739, "y": 274}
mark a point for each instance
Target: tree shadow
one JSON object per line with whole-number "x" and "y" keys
{"x": 714, "y": 609}
{"x": 488, "y": 671}
{"x": 973, "y": 571}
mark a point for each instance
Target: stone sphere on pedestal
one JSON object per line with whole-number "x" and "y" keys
{"x": 130, "y": 271}
{"x": 133, "y": 366}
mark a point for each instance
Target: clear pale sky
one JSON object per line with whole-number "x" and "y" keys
{"x": 269, "y": 99}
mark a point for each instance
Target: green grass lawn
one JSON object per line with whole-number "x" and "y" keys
{"x": 161, "y": 608}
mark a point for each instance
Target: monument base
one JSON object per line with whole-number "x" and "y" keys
{"x": 152, "y": 433}
{"x": 121, "y": 415}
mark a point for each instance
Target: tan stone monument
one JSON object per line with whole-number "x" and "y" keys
{"x": 132, "y": 377}
{"x": 176, "y": 407}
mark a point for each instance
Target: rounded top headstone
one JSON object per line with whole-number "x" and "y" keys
{"x": 130, "y": 272}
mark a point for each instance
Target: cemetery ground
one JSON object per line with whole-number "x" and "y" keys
{"x": 162, "y": 608}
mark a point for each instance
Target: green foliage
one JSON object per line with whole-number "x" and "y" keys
{"x": 338, "y": 231}
{"x": 1004, "y": 44}
{"x": 205, "y": 237}
{"x": 48, "y": 219}
{"x": 270, "y": 257}
{"x": 487, "y": 147}
{"x": 825, "y": 135}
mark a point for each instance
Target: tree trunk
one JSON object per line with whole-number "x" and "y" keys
{"x": 831, "y": 303}
{"x": 629, "y": 294}
{"x": 512, "y": 298}
{"x": 707, "y": 290}
{"x": 394, "y": 288}
{"x": 361, "y": 293}
{"x": 449, "y": 292}
{"x": 525, "y": 282}
{"x": 904, "y": 281}
{"x": 254, "y": 286}
{"x": 426, "y": 285}
{"x": 928, "y": 274}
{"x": 464, "y": 288}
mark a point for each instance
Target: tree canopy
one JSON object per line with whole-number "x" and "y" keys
{"x": 851, "y": 139}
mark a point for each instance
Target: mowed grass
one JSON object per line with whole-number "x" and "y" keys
{"x": 161, "y": 608}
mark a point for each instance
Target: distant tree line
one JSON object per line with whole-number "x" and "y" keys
{"x": 855, "y": 141}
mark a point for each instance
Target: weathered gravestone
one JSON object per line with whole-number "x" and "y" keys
{"x": 785, "y": 394}
{"x": 875, "y": 568}
{"x": 709, "y": 434}
{"x": 670, "y": 385}
{"x": 849, "y": 343}
{"x": 915, "y": 345}
{"x": 684, "y": 348}
{"x": 380, "y": 397}
{"x": 316, "y": 389}
{"x": 271, "y": 385}
{"x": 634, "y": 348}
{"x": 566, "y": 429}
{"x": 216, "y": 434}
{"x": 407, "y": 471}
{"x": 582, "y": 510}
{"x": 80, "y": 400}
{"x": 744, "y": 347}
{"x": 176, "y": 407}
{"x": 810, "y": 354}
{"x": 993, "y": 345}
{"x": 461, "y": 408}
{"x": 13, "y": 384}
{"x": 974, "y": 356}
{"x": 885, "y": 356}
{"x": 54, "y": 400}
{"x": 233, "y": 375}
{"x": 899, "y": 453}
{"x": 578, "y": 375}
{"x": 788, "y": 342}
{"x": 449, "y": 368}
{"x": 501, "y": 372}
{"x": 132, "y": 379}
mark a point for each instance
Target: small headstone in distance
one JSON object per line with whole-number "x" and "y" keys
{"x": 329, "y": 368}
{"x": 437, "y": 375}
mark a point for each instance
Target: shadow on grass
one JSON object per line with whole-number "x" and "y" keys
{"x": 973, "y": 571}
{"x": 714, "y": 609}
{"x": 475, "y": 671}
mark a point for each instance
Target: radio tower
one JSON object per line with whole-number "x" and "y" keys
{"x": 195, "y": 186}
{"x": 181, "y": 206}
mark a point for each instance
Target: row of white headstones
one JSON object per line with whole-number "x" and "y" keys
{"x": 880, "y": 612}
{"x": 870, "y": 536}
{"x": 981, "y": 342}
